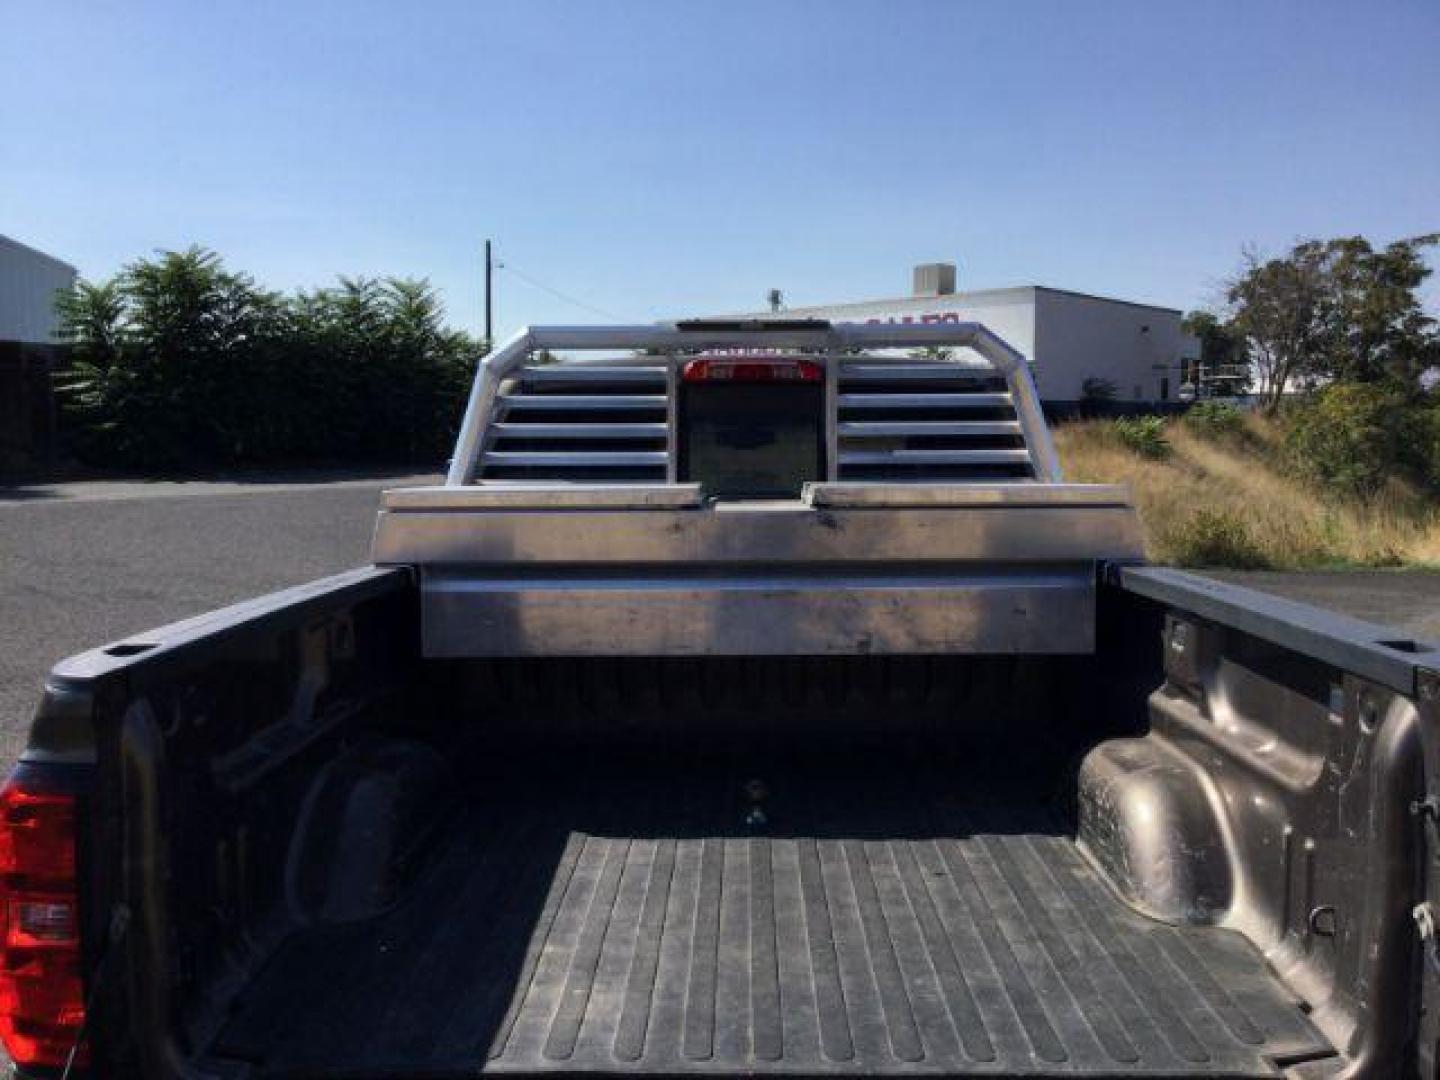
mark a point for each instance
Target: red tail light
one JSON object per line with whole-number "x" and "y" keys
{"x": 752, "y": 370}
{"x": 42, "y": 1003}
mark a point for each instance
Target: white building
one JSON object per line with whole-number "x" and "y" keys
{"x": 1068, "y": 337}
{"x": 29, "y": 280}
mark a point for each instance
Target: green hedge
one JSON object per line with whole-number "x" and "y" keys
{"x": 178, "y": 362}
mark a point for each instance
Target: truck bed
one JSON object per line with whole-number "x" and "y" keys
{"x": 894, "y": 917}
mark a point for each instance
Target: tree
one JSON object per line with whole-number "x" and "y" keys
{"x": 385, "y": 378}
{"x": 1335, "y": 311}
{"x": 99, "y": 380}
{"x": 1276, "y": 307}
{"x": 1376, "y": 329}
{"x": 163, "y": 357}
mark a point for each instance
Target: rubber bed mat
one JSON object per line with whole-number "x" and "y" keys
{"x": 868, "y": 924}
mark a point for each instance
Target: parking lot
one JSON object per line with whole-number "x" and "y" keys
{"x": 86, "y": 563}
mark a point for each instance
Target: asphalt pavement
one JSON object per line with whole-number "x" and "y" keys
{"x": 82, "y": 564}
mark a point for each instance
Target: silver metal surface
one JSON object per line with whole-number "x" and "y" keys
{"x": 760, "y": 615}
{"x": 790, "y": 533}
{"x": 582, "y": 431}
{"x": 956, "y": 495}
{"x": 569, "y": 402}
{"x": 542, "y": 497}
{"x": 934, "y": 457}
{"x": 829, "y": 342}
{"x": 672, "y": 420}
{"x": 924, "y": 401}
{"x": 582, "y": 423}
{"x": 900, "y": 371}
{"x": 588, "y": 459}
{"x": 873, "y": 428}
{"x": 832, "y": 421}
{"x": 513, "y": 570}
{"x": 928, "y": 426}
{"x": 471, "y": 438}
{"x": 572, "y": 373}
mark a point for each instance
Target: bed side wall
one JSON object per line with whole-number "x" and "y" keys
{"x": 209, "y": 737}
{"x": 1273, "y": 794}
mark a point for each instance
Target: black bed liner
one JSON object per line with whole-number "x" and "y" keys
{"x": 892, "y": 922}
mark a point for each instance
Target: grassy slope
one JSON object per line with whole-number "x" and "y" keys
{"x": 1231, "y": 501}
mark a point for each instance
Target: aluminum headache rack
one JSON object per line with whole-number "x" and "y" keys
{"x": 887, "y": 417}
{"x": 941, "y": 524}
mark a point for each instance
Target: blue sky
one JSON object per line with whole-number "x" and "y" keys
{"x": 651, "y": 159}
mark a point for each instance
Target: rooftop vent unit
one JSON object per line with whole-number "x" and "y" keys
{"x": 934, "y": 279}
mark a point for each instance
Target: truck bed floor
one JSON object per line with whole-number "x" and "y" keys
{"x": 895, "y": 922}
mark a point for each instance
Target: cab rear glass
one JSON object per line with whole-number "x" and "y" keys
{"x": 751, "y": 440}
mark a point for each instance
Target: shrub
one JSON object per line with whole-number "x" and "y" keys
{"x": 1349, "y": 438}
{"x": 1096, "y": 395}
{"x": 1215, "y": 537}
{"x": 1422, "y": 441}
{"x": 1145, "y": 435}
{"x": 1214, "y": 419}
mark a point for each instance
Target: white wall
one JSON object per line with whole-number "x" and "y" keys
{"x": 1007, "y": 312}
{"x": 1079, "y": 337}
{"x": 1067, "y": 337}
{"x": 29, "y": 280}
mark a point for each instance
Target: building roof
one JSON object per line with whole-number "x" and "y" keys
{"x": 14, "y": 245}
{"x": 1107, "y": 299}
{"x": 1012, "y": 292}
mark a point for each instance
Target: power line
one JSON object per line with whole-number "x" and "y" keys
{"x": 505, "y": 265}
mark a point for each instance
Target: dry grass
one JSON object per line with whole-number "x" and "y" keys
{"x": 1229, "y": 501}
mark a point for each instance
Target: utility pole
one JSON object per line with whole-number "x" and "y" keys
{"x": 489, "y": 270}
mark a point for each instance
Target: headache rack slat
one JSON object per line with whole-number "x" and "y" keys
{"x": 924, "y": 401}
{"x": 869, "y": 428}
{"x": 934, "y": 457}
{"x": 580, "y": 431}
{"x": 902, "y": 372}
{"x": 558, "y": 402}
{"x": 575, "y": 373}
{"x": 578, "y": 459}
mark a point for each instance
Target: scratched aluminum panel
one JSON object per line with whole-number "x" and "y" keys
{"x": 465, "y": 615}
